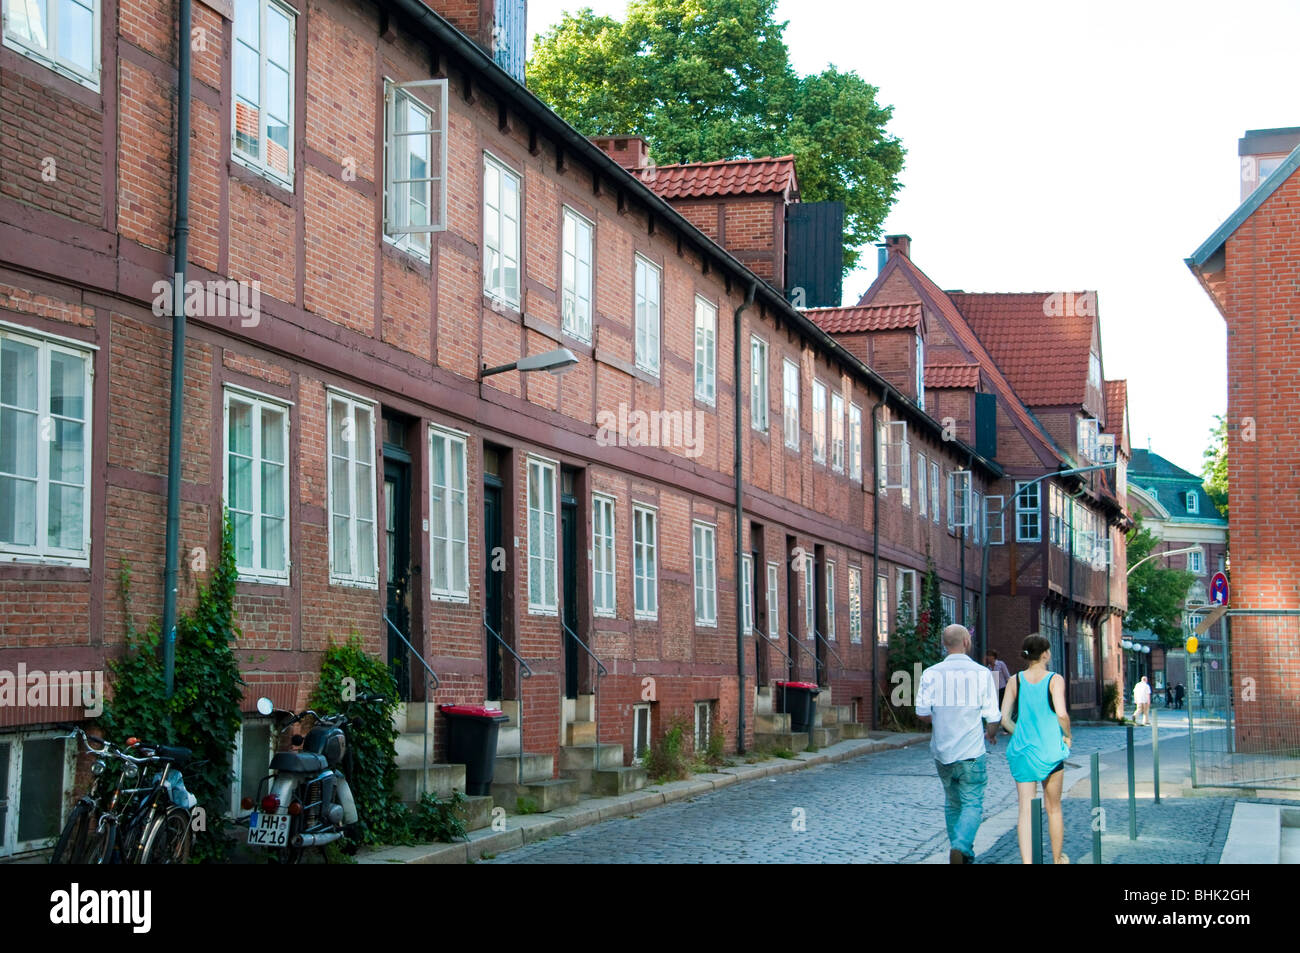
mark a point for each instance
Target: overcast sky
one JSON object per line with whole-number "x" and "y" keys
{"x": 1068, "y": 147}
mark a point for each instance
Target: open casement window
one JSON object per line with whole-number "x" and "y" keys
{"x": 1088, "y": 439}
{"x": 773, "y": 606}
{"x": 500, "y": 232}
{"x": 959, "y": 499}
{"x": 45, "y": 450}
{"x": 60, "y": 34}
{"x": 994, "y": 522}
{"x": 895, "y": 464}
{"x": 353, "y": 559}
{"x": 264, "y": 82}
{"x": 415, "y": 201}
{"x": 257, "y": 485}
{"x": 575, "y": 276}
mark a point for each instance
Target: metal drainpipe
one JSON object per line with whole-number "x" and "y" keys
{"x": 961, "y": 607}
{"x": 875, "y": 550}
{"x": 181, "y": 257}
{"x": 740, "y": 524}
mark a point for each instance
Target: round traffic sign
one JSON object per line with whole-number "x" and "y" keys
{"x": 1219, "y": 589}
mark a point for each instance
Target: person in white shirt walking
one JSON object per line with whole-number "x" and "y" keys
{"x": 959, "y": 698}
{"x": 1142, "y": 702}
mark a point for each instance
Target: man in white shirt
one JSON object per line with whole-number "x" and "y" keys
{"x": 1142, "y": 702}
{"x": 959, "y": 698}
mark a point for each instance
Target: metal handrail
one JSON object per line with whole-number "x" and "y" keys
{"x": 601, "y": 672}
{"x": 773, "y": 643}
{"x": 437, "y": 683}
{"x": 830, "y": 648}
{"x": 525, "y": 671}
{"x": 803, "y": 648}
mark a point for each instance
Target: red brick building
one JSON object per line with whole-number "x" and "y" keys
{"x": 364, "y": 243}
{"x": 1251, "y": 270}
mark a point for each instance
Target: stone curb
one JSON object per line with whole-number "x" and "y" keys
{"x": 530, "y": 828}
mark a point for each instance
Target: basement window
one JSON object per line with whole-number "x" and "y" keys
{"x": 35, "y": 771}
{"x": 62, "y": 35}
{"x": 703, "y": 725}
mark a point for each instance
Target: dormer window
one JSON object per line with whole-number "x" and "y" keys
{"x": 1193, "y": 504}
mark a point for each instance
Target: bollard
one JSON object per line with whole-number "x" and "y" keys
{"x": 1037, "y": 828}
{"x": 1096, "y": 808}
{"x": 1132, "y": 791}
{"x": 1155, "y": 750}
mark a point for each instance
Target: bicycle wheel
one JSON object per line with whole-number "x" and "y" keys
{"x": 100, "y": 850}
{"x": 167, "y": 841}
{"x": 71, "y": 847}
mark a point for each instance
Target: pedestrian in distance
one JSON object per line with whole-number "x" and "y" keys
{"x": 958, "y": 697}
{"x": 1142, "y": 702}
{"x": 1169, "y": 696}
{"x": 1035, "y": 714}
{"x": 1180, "y": 692}
{"x": 1001, "y": 674}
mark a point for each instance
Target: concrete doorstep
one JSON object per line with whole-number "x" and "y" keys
{"x": 523, "y": 829}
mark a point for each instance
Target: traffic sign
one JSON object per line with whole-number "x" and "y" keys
{"x": 1219, "y": 589}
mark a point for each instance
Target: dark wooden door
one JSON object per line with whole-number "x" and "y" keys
{"x": 397, "y": 539}
{"x": 493, "y": 585}
{"x": 569, "y": 557}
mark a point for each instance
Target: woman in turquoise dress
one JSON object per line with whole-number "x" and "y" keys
{"x": 1035, "y": 713}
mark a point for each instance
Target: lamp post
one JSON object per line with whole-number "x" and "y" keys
{"x": 1167, "y": 552}
{"x": 554, "y": 362}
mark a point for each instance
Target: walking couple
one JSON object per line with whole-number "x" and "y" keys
{"x": 959, "y": 698}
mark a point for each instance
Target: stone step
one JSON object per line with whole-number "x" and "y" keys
{"x": 854, "y": 729}
{"x": 763, "y": 704}
{"x": 441, "y": 780}
{"x": 583, "y": 757}
{"x": 507, "y": 739}
{"x": 824, "y": 697}
{"x": 844, "y": 713}
{"x": 407, "y": 715}
{"x": 821, "y": 737}
{"x": 790, "y": 740}
{"x": 537, "y": 796}
{"x": 584, "y": 708}
{"x": 536, "y": 767}
{"x": 410, "y": 749}
{"x": 580, "y": 733}
{"x": 775, "y": 722}
{"x": 621, "y": 780}
{"x": 478, "y": 812}
{"x": 830, "y": 715}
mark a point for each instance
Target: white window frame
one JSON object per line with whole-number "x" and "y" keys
{"x": 1197, "y": 558}
{"x": 855, "y": 443}
{"x": 922, "y": 490}
{"x": 706, "y": 351}
{"x": 48, "y": 56}
{"x": 604, "y": 553}
{"x": 11, "y": 845}
{"x": 703, "y": 724}
{"x": 882, "y": 609}
{"x": 704, "y": 560}
{"x": 354, "y": 405}
{"x": 920, "y": 370}
{"x": 747, "y": 592}
{"x": 896, "y": 463}
{"x": 855, "y": 605}
{"x": 237, "y": 759}
{"x": 819, "y": 411}
{"x": 837, "y": 431}
{"x": 936, "y": 491}
{"x": 959, "y": 495}
{"x": 494, "y": 274}
{"x": 576, "y": 298}
{"x": 1088, "y": 438}
{"x": 258, "y": 403}
{"x": 637, "y": 740}
{"x": 948, "y": 606}
{"x": 450, "y": 592}
{"x": 1193, "y": 502}
{"x": 977, "y": 516}
{"x": 790, "y": 403}
{"x": 906, "y": 461}
{"x": 909, "y": 576}
{"x": 1029, "y": 507}
{"x": 41, "y": 551}
{"x": 773, "y": 599}
{"x": 830, "y": 601}
{"x": 539, "y": 560}
{"x": 398, "y": 229}
{"x": 648, "y": 312}
{"x": 259, "y": 164}
{"x": 644, "y": 515}
{"x": 810, "y": 595}
{"x": 995, "y": 527}
{"x": 758, "y": 384}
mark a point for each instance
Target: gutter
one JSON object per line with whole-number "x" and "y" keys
{"x": 740, "y": 526}
{"x": 180, "y": 245}
{"x": 875, "y": 553}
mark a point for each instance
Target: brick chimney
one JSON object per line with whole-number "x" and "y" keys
{"x": 899, "y": 245}
{"x": 631, "y": 152}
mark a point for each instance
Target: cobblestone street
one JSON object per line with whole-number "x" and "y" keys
{"x": 882, "y": 808}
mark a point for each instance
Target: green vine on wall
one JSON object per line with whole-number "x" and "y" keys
{"x": 203, "y": 712}
{"x": 914, "y": 640}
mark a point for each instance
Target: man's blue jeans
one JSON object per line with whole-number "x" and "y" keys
{"x": 963, "y": 786}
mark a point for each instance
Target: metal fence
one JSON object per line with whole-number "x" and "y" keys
{"x": 1243, "y": 706}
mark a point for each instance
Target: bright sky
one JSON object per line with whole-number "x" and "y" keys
{"x": 1068, "y": 147}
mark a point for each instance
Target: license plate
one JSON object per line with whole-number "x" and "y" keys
{"x": 268, "y": 830}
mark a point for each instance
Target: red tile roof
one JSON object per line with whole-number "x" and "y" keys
{"x": 724, "y": 177}
{"x": 1040, "y": 340}
{"x": 1116, "y": 401}
{"x": 952, "y": 375}
{"x": 888, "y": 317}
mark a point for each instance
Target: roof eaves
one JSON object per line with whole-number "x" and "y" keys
{"x": 1244, "y": 211}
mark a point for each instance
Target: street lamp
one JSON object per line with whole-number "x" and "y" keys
{"x": 555, "y": 362}
{"x": 1167, "y": 552}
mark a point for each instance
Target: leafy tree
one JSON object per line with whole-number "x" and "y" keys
{"x": 914, "y": 641}
{"x": 1156, "y": 593}
{"x": 1215, "y": 465}
{"x": 711, "y": 79}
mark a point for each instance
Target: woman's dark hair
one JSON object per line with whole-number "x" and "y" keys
{"x": 1034, "y": 647}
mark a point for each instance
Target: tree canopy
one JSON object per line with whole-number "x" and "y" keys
{"x": 711, "y": 79}
{"x": 1215, "y": 465}
{"x": 1156, "y": 594}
